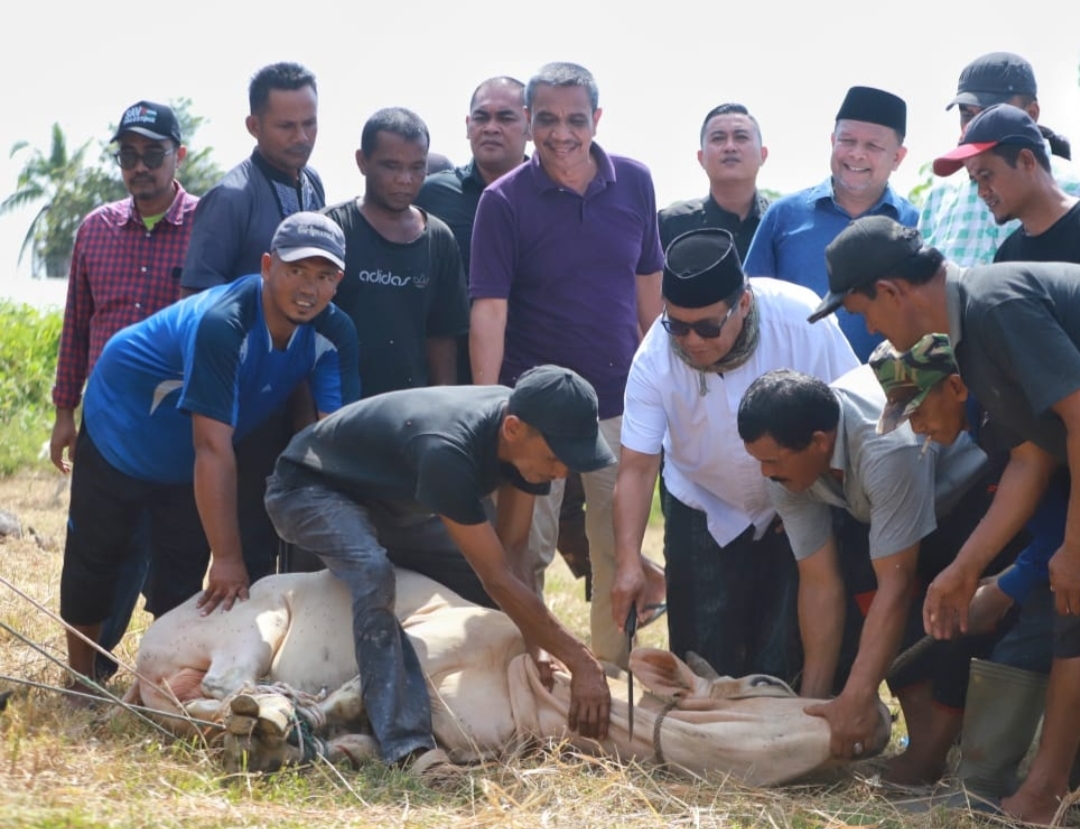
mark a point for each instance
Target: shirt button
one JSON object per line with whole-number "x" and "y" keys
{"x": 143, "y": 269}
{"x": 138, "y": 305}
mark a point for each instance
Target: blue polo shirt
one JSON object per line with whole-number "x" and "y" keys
{"x": 791, "y": 239}
{"x": 210, "y": 354}
{"x": 567, "y": 264}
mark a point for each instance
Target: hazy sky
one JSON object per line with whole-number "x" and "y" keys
{"x": 659, "y": 66}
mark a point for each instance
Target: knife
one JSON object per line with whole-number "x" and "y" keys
{"x": 631, "y": 631}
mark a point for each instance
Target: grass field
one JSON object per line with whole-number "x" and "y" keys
{"x": 60, "y": 768}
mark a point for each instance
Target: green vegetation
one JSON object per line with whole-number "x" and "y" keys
{"x": 28, "y": 346}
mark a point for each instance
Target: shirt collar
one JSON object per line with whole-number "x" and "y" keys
{"x": 174, "y": 215}
{"x": 756, "y": 208}
{"x": 954, "y": 300}
{"x": 824, "y": 190}
{"x": 605, "y": 172}
{"x": 270, "y": 171}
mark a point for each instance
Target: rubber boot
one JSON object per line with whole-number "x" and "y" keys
{"x": 1004, "y": 705}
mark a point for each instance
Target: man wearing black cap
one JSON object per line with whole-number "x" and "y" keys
{"x": 124, "y": 267}
{"x": 401, "y": 478}
{"x": 867, "y": 146}
{"x": 953, "y": 218}
{"x": 1005, "y": 157}
{"x": 1015, "y": 330}
{"x": 731, "y": 578}
{"x": 163, "y": 407}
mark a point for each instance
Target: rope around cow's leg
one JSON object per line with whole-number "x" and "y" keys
{"x": 658, "y": 724}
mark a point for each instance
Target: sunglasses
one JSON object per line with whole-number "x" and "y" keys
{"x": 153, "y": 158}
{"x": 706, "y": 329}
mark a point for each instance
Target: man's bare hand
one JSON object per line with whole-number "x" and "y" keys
{"x": 1065, "y": 580}
{"x": 628, "y": 589}
{"x": 853, "y": 723}
{"x": 590, "y": 701}
{"x": 228, "y": 581}
{"x": 62, "y": 440}
{"x": 947, "y": 601}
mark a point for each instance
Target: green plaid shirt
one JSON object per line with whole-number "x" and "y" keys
{"x": 956, "y": 221}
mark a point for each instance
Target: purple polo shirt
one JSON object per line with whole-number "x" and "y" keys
{"x": 568, "y": 264}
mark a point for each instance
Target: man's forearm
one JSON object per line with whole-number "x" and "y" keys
{"x": 883, "y": 630}
{"x": 821, "y": 626}
{"x": 487, "y": 331}
{"x": 215, "y": 497}
{"x": 1022, "y": 484}
{"x": 442, "y": 361}
{"x": 634, "y": 487}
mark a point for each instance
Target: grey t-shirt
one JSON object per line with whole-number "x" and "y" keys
{"x": 888, "y": 482}
{"x": 1018, "y": 343}
{"x": 428, "y": 450}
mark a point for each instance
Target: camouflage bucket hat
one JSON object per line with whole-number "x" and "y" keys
{"x": 908, "y": 377}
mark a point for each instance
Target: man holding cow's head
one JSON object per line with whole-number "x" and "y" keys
{"x": 1015, "y": 331}
{"x": 868, "y": 514}
{"x": 164, "y": 406}
{"x": 403, "y": 478}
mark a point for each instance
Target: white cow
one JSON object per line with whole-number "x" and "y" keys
{"x": 487, "y": 695}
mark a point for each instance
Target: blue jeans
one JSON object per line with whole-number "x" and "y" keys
{"x": 343, "y": 534}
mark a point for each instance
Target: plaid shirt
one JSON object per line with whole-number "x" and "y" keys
{"x": 120, "y": 273}
{"x": 957, "y": 222}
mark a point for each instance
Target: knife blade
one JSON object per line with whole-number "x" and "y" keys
{"x": 631, "y": 631}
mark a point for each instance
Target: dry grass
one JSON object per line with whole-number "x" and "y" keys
{"x": 60, "y": 768}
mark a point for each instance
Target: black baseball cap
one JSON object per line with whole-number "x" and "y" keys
{"x": 997, "y": 124}
{"x": 864, "y": 251}
{"x": 562, "y": 406}
{"x": 994, "y": 79}
{"x": 155, "y": 121}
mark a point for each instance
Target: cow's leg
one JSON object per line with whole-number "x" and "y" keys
{"x": 342, "y": 533}
{"x": 257, "y": 730}
{"x": 344, "y": 708}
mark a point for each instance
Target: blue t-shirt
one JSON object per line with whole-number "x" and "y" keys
{"x": 791, "y": 239}
{"x": 210, "y": 354}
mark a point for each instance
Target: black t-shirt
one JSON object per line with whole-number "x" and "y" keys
{"x": 684, "y": 216}
{"x": 1019, "y": 348}
{"x": 434, "y": 450}
{"x": 1058, "y": 243}
{"x": 398, "y": 295}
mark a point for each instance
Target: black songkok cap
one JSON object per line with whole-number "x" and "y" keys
{"x": 701, "y": 267}
{"x": 875, "y": 106}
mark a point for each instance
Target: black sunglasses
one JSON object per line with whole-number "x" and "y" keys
{"x": 706, "y": 329}
{"x": 153, "y": 158}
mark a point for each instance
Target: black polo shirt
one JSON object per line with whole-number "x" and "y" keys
{"x": 683, "y": 216}
{"x": 453, "y": 195}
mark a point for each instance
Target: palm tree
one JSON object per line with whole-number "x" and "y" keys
{"x": 69, "y": 190}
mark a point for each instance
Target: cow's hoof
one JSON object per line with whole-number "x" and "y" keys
{"x": 273, "y": 711}
{"x": 434, "y": 768}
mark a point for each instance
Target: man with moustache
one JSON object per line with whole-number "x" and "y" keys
{"x": 572, "y": 231}
{"x": 731, "y": 578}
{"x": 821, "y": 448}
{"x": 125, "y": 266}
{"x": 403, "y": 287}
{"x": 1013, "y": 328}
{"x": 731, "y": 154}
{"x": 867, "y": 146}
{"x": 233, "y": 227}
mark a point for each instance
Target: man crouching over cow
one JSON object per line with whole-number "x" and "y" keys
{"x": 401, "y": 477}
{"x": 164, "y": 405}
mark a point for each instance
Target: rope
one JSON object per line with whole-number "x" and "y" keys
{"x": 72, "y": 693}
{"x": 658, "y": 723}
{"x": 105, "y": 694}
